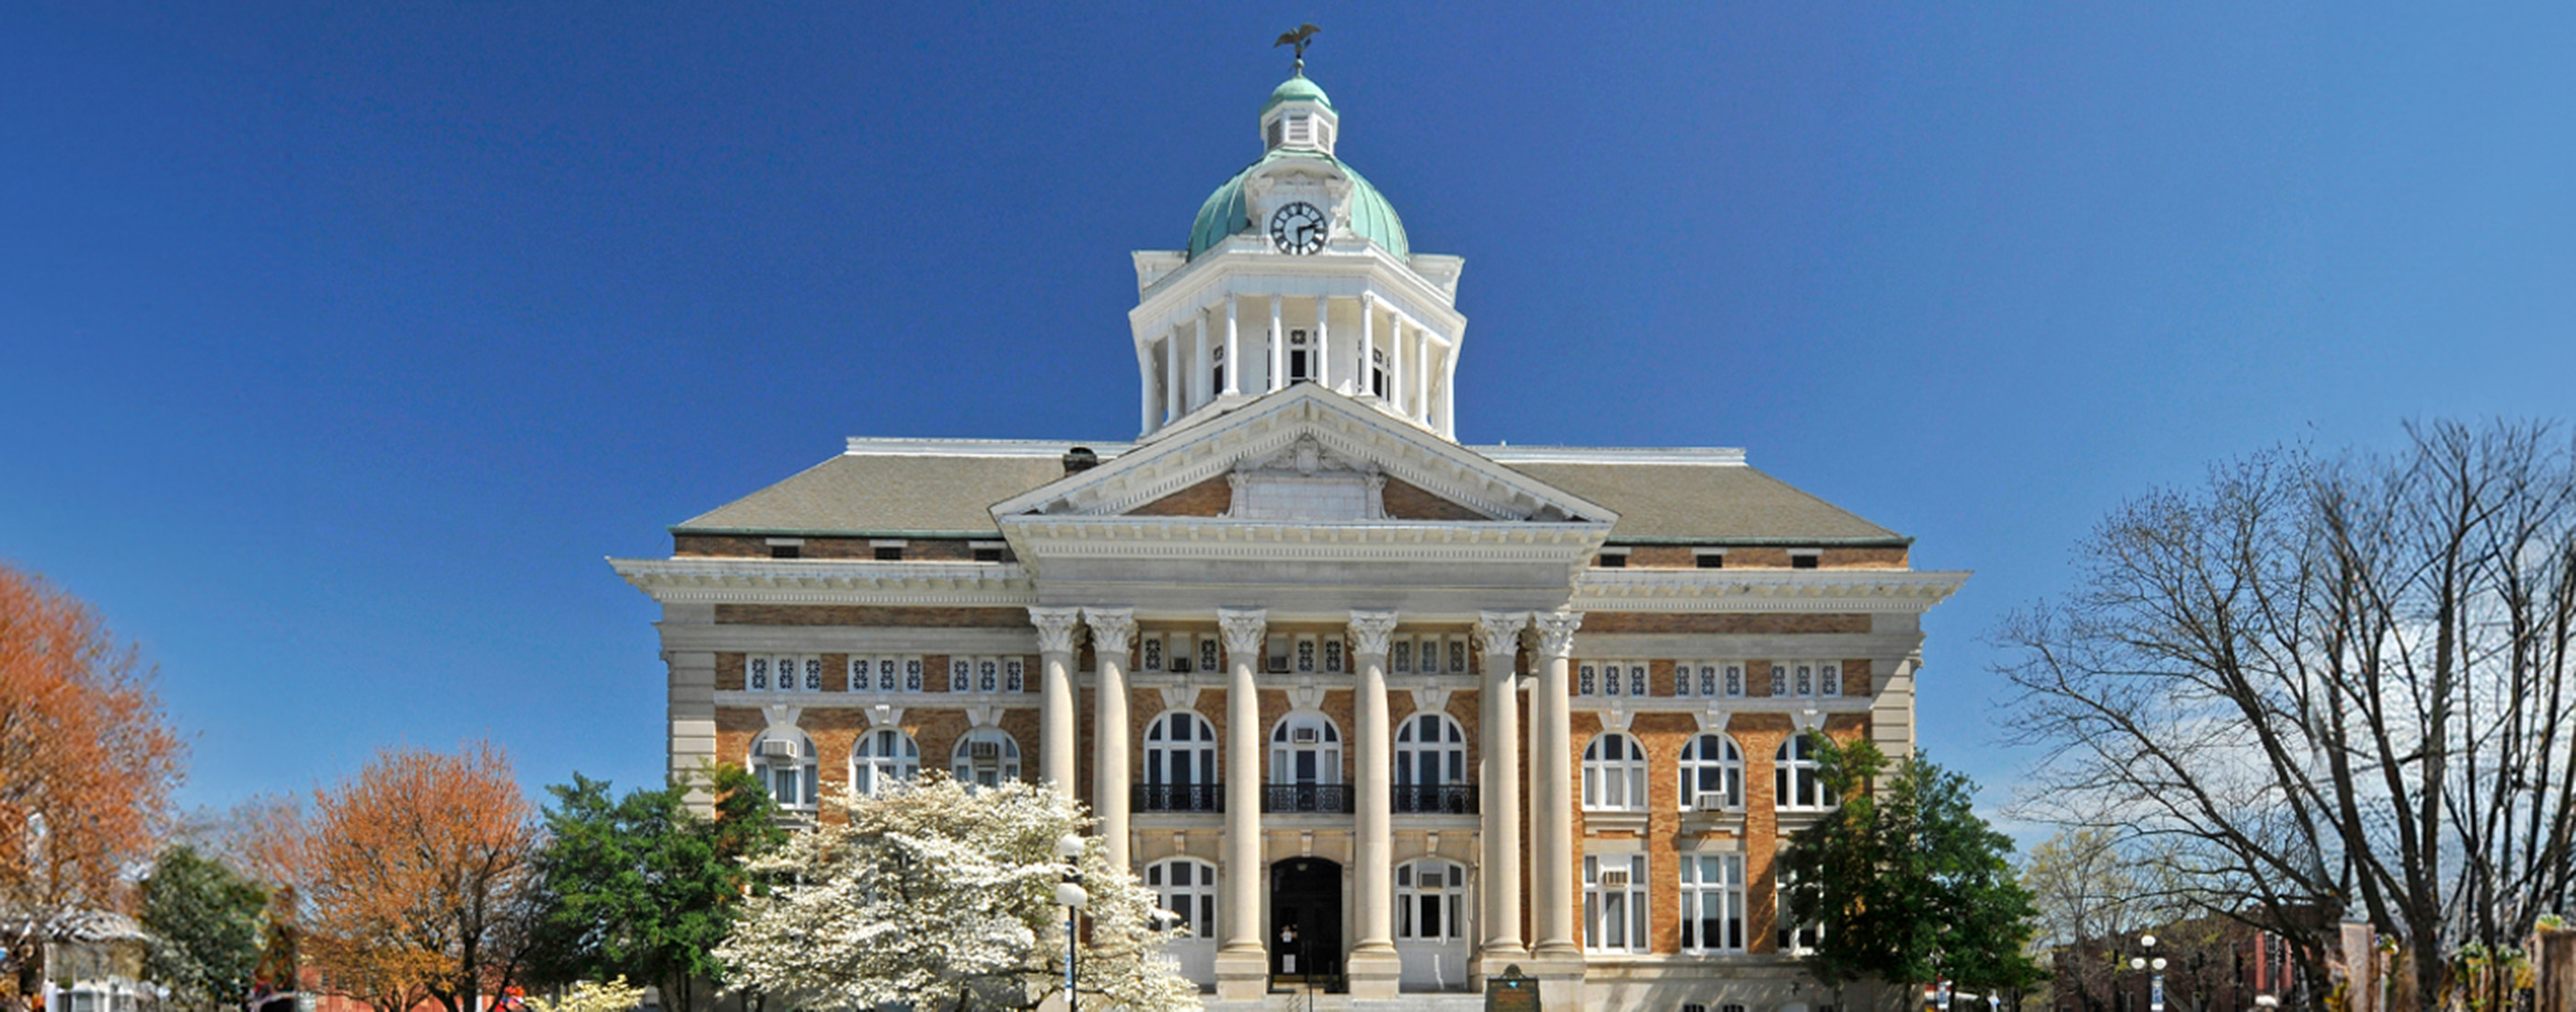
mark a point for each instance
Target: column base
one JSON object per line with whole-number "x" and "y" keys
{"x": 1242, "y": 974}
{"x": 1560, "y": 976}
{"x": 1373, "y": 973}
{"x": 1492, "y": 959}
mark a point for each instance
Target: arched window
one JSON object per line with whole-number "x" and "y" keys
{"x": 1712, "y": 774}
{"x": 1305, "y": 748}
{"x": 1180, "y": 764}
{"x": 884, "y": 757}
{"x": 1186, "y": 886}
{"x": 783, "y": 758}
{"x": 1429, "y": 897}
{"x": 1796, "y": 783}
{"x": 1431, "y": 765}
{"x": 1614, "y": 774}
{"x": 985, "y": 757}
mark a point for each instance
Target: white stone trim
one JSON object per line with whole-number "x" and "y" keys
{"x": 1049, "y": 449}
{"x": 828, "y": 581}
{"x": 1708, "y": 590}
{"x": 1215, "y": 538}
{"x": 1722, "y": 456}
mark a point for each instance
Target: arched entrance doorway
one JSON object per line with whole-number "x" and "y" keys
{"x": 1306, "y": 922}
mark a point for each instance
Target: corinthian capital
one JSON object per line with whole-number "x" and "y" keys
{"x": 1556, "y": 632}
{"x": 1243, "y": 628}
{"x": 1370, "y": 630}
{"x": 1500, "y": 632}
{"x": 1112, "y": 629}
{"x": 1055, "y": 628}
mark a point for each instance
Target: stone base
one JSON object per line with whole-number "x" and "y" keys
{"x": 1560, "y": 976}
{"x": 1492, "y": 960}
{"x": 1242, "y": 975}
{"x": 1373, "y": 974}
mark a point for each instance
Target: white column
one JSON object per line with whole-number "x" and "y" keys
{"x": 1552, "y": 789}
{"x": 1172, "y": 374}
{"x": 1278, "y": 348}
{"x": 1449, "y": 391}
{"x": 1112, "y": 631}
{"x": 1368, "y": 343}
{"x": 1395, "y": 365}
{"x": 1373, "y": 966}
{"x": 1055, "y": 704}
{"x": 1323, "y": 358}
{"x": 1199, "y": 392}
{"x": 1233, "y": 351}
{"x": 1242, "y": 964}
{"x": 1145, "y": 384}
{"x": 1422, "y": 379}
{"x": 1499, "y": 782}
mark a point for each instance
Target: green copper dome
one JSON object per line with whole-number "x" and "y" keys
{"x": 1224, "y": 213}
{"x": 1295, "y": 88}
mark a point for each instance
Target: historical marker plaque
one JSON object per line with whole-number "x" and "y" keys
{"x": 1511, "y": 992}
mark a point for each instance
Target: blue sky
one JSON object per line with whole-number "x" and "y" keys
{"x": 339, "y": 344}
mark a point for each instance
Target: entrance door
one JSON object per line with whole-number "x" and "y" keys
{"x": 1306, "y": 922}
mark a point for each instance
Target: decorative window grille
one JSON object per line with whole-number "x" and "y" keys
{"x": 988, "y": 675}
{"x": 1779, "y": 678}
{"x": 912, "y": 674}
{"x": 1457, "y": 656}
{"x": 1586, "y": 679}
{"x": 1152, "y": 649}
{"x": 1637, "y": 678}
{"x": 1015, "y": 675}
{"x": 1305, "y": 654}
{"x": 1735, "y": 679}
{"x": 961, "y": 675}
{"x": 1207, "y": 654}
{"x": 1806, "y": 679}
{"x": 1829, "y": 679}
{"x": 1400, "y": 657}
{"x": 758, "y": 678}
{"x": 1333, "y": 654}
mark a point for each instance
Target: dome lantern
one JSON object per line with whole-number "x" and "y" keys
{"x": 1299, "y": 117}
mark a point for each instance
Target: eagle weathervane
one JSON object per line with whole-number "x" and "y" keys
{"x": 1305, "y": 33}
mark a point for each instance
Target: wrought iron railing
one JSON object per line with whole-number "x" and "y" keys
{"x": 1325, "y": 798}
{"x": 1434, "y": 799}
{"x": 1178, "y": 798}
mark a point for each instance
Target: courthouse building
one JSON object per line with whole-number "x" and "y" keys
{"x": 1375, "y": 711}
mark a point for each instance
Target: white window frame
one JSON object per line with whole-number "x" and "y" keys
{"x": 1448, "y": 747}
{"x": 1727, "y": 766}
{"x": 1808, "y": 679}
{"x": 1797, "y": 782}
{"x": 967, "y": 770}
{"x": 797, "y": 774}
{"x": 882, "y": 758}
{"x": 1430, "y": 883}
{"x": 1195, "y": 901}
{"x": 1791, "y": 939}
{"x": 1698, "y": 890}
{"x": 1628, "y": 934}
{"x": 802, "y": 672}
{"x": 1201, "y": 745}
{"x": 1284, "y": 748}
{"x": 1614, "y": 783}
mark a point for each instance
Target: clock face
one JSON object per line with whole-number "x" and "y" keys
{"x": 1298, "y": 228}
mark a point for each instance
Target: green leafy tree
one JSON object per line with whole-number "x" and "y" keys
{"x": 209, "y": 927}
{"x": 642, "y": 887}
{"x": 1908, "y": 883}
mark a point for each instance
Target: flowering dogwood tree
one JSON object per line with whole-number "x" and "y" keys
{"x": 943, "y": 896}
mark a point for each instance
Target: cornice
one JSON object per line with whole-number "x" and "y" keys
{"x": 1334, "y": 541}
{"x": 1707, "y": 590}
{"x": 827, "y": 581}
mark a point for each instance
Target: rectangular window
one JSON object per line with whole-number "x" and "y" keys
{"x": 1829, "y": 679}
{"x": 1611, "y": 560}
{"x": 1275, "y": 651}
{"x": 889, "y": 553}
{"x": 1805, "y": 560}
{"x": 961, "y": 675}
{"x": 988, "y": 675}
{"x": 1614, "y": 903}
{"x": 1305, "y": 654}
{"x": 912, "y": 674}
{"x": 988, "y": 555}
{"x": 1795, "y": 939}
{"x": 1805, "y": 679}
{"x": 1637, "y": 678}
{"x": 1710, "y": 560}
{"x": 1150, "y": 648}
{"x": 1400, "y": 657}
{"x": 1586, "y": 679}
{"x": 1333, "y": 653}
{"x": 1735, "y": 679}
{"x": 1611, "y": 683}
{"x": 757, "y": 674}
{"x": 1207, "y": 653}
{"x": 786, "y": 551}
{"x": 1779, "y": 678}
{"x": 1712, "y": 897}
{"x": 1015, "y": 675}
{"x": 1457, "y": 655}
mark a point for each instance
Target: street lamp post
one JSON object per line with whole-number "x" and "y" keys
{"x": 2156, "y": 981}
{"x": 1070, "y": 893}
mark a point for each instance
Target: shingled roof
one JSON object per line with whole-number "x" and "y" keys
{"x": 926, "y": 493}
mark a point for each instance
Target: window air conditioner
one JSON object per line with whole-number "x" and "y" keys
{"x": 778, "y": 748}
{"x": 1710, "y": 801}
{"x": 983, "y": 750}
{"x": 1303, "y": 735}
{"x": 1614, "y": 879}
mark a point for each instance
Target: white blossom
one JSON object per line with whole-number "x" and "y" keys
{"x": 942, "y": 897}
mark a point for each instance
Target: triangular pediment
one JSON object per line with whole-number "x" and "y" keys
{"x": 1306, "y": 455}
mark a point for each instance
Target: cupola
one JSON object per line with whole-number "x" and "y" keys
{"x": 1298, "y": 117}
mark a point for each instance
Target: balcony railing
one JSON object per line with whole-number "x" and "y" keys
{"x": 1178, "y": 798}
{"x": 1434, "y": 799}
{"x": 1333, "y": 799}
